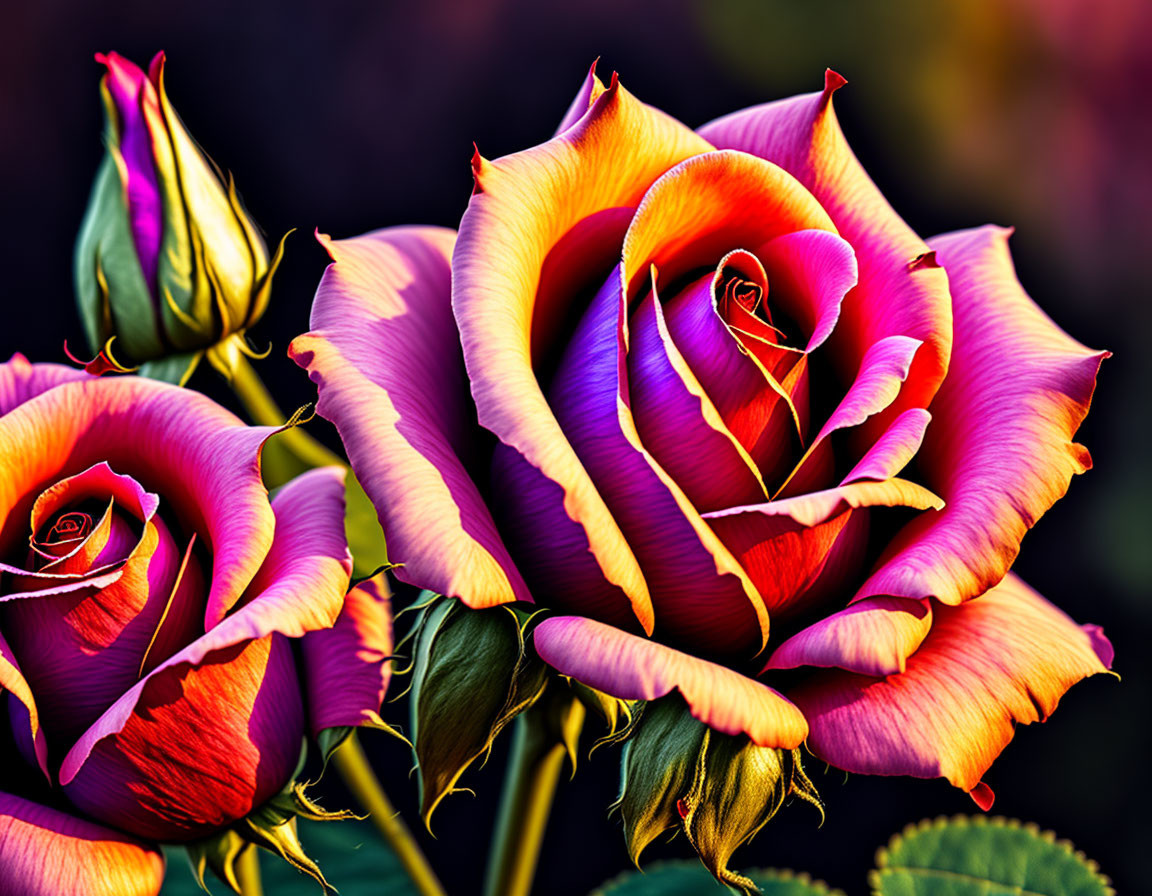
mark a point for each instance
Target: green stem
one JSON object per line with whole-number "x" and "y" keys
{"x": 248, "y": 871}
{"x": 354, "y": 768}
{"x": 263, "y": 410}
{"x": 534, "y": 766}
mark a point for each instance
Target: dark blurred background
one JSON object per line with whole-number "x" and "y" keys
{"x": 349, "y": 116}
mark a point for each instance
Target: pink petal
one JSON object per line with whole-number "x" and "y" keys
{"x": 1000, "y": 447}
{"x": 700, "y": 593}
{"x": 226, "y": 711}
{"x": 1004, "y": 658}
{"x": 710, "y": 204}
{"x": 786, "y": 545}
{"x": 810, "y": 272}
{"x": 512, "y": 290}
{"x": 760, "y": 411}
{"x": 385, "y": 355}
{"x": 589, "y": 92}
{"x": 894, "y": 449}
{"x": 877, "y": 385}
{"x": 679, "y": 424}
{"x": 347, "y": 667}
{"x": 21, "y": 380}
{"x": 44, "y": 852}
{"x": 898, "y": 294}
{"x": 634, "y": 668}
{"x": 205, "y": 459}
{"x": 130, "y": 88}
{"x": 81, "y": 650}
{"x": 873, "y": 637}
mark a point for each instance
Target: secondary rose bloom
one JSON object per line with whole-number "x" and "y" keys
{"x": 148, "y": 594}
{"x": 707, "y": 398}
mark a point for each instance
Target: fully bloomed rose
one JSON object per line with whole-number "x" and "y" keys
{"x": 148, "y": 594}
{"x": 665, "y": 383}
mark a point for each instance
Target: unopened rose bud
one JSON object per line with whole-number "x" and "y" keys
{"x": 169, "y": 266}
{"x": 719, "y": 789}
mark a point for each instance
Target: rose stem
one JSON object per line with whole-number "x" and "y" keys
{"x": 248, "y": 872}
{"x": 263, "y": 410}
{"x": 353, "y": 766}
{"x": 534, "y": 766}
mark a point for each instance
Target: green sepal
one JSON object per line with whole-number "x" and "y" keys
{"x": 272, "y": 826}
{"x": 329, "y": 740}
{"x": 657, "y": 768}
{"x": 175, "y": 369}
{"x": 719, "y": 789}
{"x": 217, "y": 854}
{"x": 618, "y": 715}
{"x": 738, "y": 788}
{"x": 112, "y": 295}
{"x": 472, "y": 675}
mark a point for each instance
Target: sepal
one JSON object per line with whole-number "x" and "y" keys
{"x": 472, "y": 675}
{"x": 272, "y": 827}
{"x": 719, "y": 789}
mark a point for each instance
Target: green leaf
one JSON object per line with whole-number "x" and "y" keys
{"x": 362, "y": 526}
{"x": 351, "y": 854}
{"x": 692, "y": 879}
{"x": 978, "y": 856}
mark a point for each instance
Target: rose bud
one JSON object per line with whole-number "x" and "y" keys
{"x": 706, "y": 400}
{"x": 169, "y": 266}
{"x": 149, "y": 596}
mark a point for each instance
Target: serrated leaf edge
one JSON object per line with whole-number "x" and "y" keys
{"x": 779, "y": 874}
{"x": 1000, "y": 821}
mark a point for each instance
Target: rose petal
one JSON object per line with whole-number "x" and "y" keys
{"x": 511, "y": 297}
{"x": 207, "y": 744}
{"x": 758, "y": 410}
{"x": 81, "y": 650}
{"x": 589, "y": 92}
{"x": 202, "y": 458}
{"x": 710, "y": 204}
{"x": 634, "y": 668}
{"x": 679, "y": 424}
{"x": 300, "y": 588}
{"x": 25, "y": 724}
{"x": 877, "y": 386}
{"x": 133, "y": 152}
{"x": 1000, "y": 447}
{"x": 810, "y": 272}
{"x": 1004, "y": 658}
{"x": 699, "y": 592}
{"x": 347, "y": 667}
{"x": 895, "y": 296}
{"x": 21, "y": 380}
{"x": 873, "y": 637}
{"x": 385, "y": 355}
{"x": 44, "y": 852}
{"x": 894, "y": 449}
{"x": 785, "y": 545}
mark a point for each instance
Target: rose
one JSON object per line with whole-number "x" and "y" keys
{"x": 169, "y": 265}
{"x": 148, "y": 594}
{"x": 705, "y": 357}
